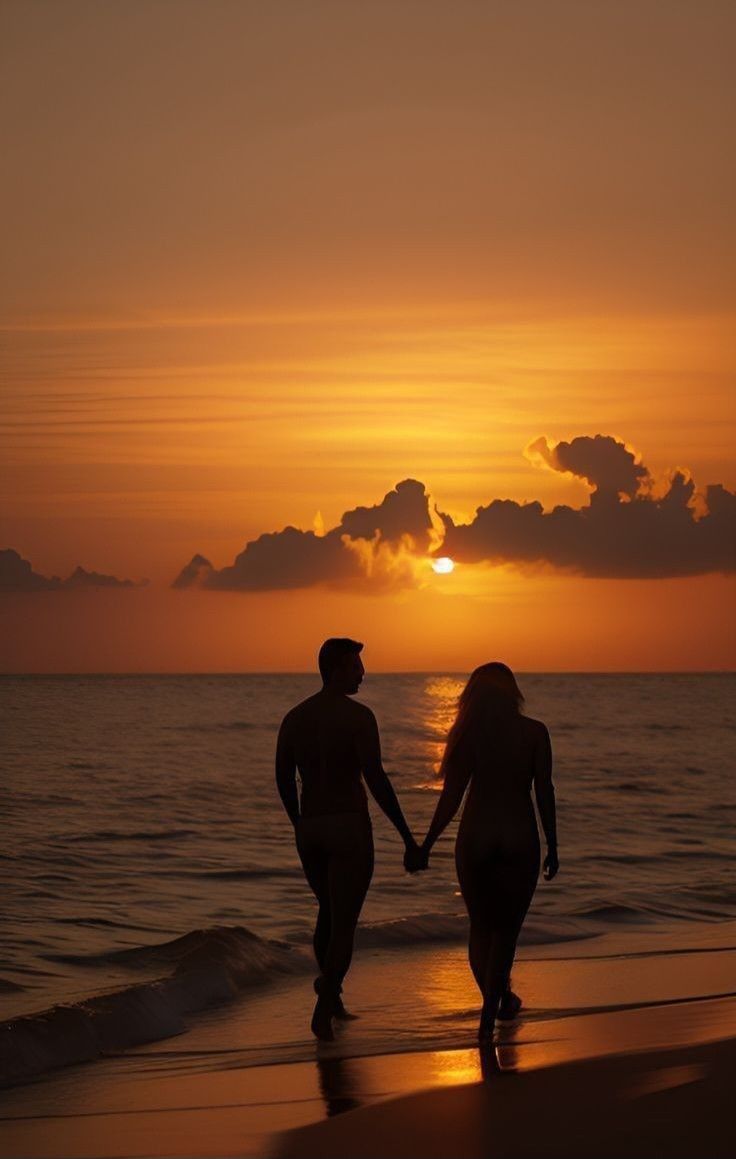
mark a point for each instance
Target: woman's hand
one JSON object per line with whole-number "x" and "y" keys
{"x": 416, "y": 858}
{"x": 551, "y": 863}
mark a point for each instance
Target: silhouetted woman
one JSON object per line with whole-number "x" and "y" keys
{"x": 500, "y": 754}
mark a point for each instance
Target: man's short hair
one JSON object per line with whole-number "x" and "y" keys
{"x": 333, "y": 651}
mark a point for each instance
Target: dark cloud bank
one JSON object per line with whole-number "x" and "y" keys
{"x": 17, "y": 575}
{"x": 628, "y": 531}
{"x": 300, "y": 559}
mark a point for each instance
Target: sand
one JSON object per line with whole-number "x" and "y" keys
{"x": 673, "y": 1103}
{"x": 649, "y": 1075}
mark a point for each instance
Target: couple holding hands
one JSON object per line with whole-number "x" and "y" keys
{"x": 493, "y": 751}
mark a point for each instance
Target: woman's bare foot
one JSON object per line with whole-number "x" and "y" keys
{"x": 509, "y": 1006}
{"x": 487, "y": 1022}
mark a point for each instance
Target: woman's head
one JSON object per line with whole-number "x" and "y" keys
{"x": 491, "y": 691}
{"x": 489, "y": 699}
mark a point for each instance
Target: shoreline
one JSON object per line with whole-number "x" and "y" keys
{"x": 227, "y": 985}
{"x": 400, "y": 1106}
{"x": 204, "y": 1095}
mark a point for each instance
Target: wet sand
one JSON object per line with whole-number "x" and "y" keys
{"x": 674, "y": 1103}
{"x": 648, "y": 1075}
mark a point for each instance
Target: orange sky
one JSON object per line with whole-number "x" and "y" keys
{"x": 269, "y": 260}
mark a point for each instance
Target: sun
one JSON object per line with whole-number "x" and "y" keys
{"x": 444, "y": 565}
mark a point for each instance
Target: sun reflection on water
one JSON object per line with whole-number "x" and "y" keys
{"x": 441, "y": 693}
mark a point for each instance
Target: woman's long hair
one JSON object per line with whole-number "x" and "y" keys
{"x": 489, "y": 701}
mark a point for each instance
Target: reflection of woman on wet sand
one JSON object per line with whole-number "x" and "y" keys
{"x": 500, "y": 754}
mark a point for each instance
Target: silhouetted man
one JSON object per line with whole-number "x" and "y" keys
{"x": 331, "y": 740}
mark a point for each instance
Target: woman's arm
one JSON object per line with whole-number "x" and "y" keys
{"x": 544, "y": 791}
{"x": 376, "y": 778}
{"x": 457, "y": 772}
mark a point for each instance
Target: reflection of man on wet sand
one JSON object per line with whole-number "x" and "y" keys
{"x": 331, "y": 740}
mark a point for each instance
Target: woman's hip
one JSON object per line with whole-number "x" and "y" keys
{"x": 478, "y": 852}
{"x": 335, "y": 834}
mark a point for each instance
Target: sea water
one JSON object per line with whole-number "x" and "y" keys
{"x": 146, "y": 856}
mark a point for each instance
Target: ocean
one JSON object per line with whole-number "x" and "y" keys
{"x": 148, "y": 869}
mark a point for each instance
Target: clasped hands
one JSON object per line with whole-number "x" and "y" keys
{"x": 416, "y": 857}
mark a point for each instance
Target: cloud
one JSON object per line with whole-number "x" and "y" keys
{"x": 632, "y": 527}
{"x": 403, "y": 512}
{"x": 608, "y": 465}
{"x": 286, "y": 559}
{"x": 95, "y": 579}
{"x": 195, "y": 574}
{"x": 17, "y": 575}
{"x": 376, "y": 545}
{"x": 626, "y": 531}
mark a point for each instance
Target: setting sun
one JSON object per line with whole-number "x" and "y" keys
{"x": 443, "y": 566}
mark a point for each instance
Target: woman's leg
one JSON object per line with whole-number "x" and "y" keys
{"x": 481, "y": 942}
{"x": 497, "y": 890}
{"x": 471, "y": 876}
{"x": 479, "y": 946}
{"x": 511, "y": 881}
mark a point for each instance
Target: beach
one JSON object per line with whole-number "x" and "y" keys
{"x": 627, "y": 1047}
{"x": 367, "y": 557}
{"x": 156, "y": 969}
{"x": 141, "y": 809}
{"x": 655, "y": 1103}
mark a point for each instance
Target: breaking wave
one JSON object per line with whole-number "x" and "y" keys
{"x": 205, "y": 967}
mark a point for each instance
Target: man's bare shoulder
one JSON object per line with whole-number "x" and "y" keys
{"x": 360, "y": 713}
{"x": 341, "y": 712}
{"x": 302, "y": 712}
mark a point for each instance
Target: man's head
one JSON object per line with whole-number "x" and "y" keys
{"x": 340, "y": 665}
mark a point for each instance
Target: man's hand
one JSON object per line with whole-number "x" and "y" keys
{"x": 416, "y": 858}
{"x": 551, "y": 864}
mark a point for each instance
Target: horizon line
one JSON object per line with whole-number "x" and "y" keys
{"x": 394, "y": 672}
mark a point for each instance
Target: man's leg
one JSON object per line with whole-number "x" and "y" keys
{"x": 314, "y": 863}
{"x": 349, "y": 877}
{"x": 323, "y": 926}
{"x": 339, "y": 873}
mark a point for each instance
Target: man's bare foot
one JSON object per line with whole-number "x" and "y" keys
{"x": 339, "y": 1011}
{"x": 322, "y": 1021}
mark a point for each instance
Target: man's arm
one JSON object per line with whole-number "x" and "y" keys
{"x": 286, "y": 771}
{"x": 376, "y": 778}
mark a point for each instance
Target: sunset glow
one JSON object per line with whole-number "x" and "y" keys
{"x": 367, "y": 577}
{"x": 443, "y": 566}
{"x": 286, "y": 302}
